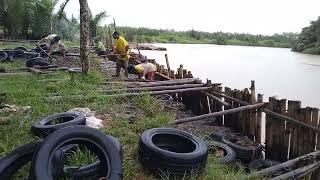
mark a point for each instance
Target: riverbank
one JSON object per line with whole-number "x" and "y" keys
{"x": 125, "y": 118}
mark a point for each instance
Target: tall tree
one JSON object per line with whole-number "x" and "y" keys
{"x": 84, "y": 35}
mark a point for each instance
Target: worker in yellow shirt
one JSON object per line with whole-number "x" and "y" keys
{"x": 121, "y": 50}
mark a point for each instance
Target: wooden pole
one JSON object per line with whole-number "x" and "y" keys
{"x": 220, "y": 113}
{"x": 155, "y": 88}
{"x": 217, "y": 99}
{"x": 168, "y": 65}
{"x": 290, "y": 163}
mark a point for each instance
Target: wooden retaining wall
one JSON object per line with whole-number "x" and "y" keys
{"x": 282, "y": 140}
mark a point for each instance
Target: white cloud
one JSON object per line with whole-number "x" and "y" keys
{"x": 247, "y": 16}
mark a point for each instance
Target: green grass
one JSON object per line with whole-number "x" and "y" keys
{"x": 31, "y": 90}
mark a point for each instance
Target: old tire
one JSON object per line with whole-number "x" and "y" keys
{"x": 3, "y": 56}
{"x": 80, "y": 173}
{"x": 260, "y": 164}
{"x": 173, "y": 151}
{"x": 245, "y": 154}
{"x": 21, "y": 48}
{"x": 45, "y": 127}
{"x": 229, "y": 154}
{"x": 106, "y": 148}
{"x": 13, "y": 161}
{"x": 37, "y": 61}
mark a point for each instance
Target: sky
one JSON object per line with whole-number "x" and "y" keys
{"x": 243, "y": 16}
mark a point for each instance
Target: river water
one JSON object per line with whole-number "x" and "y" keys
{"x": 277, "y": 71}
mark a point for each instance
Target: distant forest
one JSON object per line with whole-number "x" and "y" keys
{"x": 309, "y": 39}
{"x": 285, "y": 40}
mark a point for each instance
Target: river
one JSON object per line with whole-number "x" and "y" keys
{"x": 277, "y": 71}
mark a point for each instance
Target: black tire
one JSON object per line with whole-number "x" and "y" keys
{"x": 80, "y": 173}
{"x": 37, "y": 61}
{"x": 21, "y": 48}
{"x": 19, "y": 54}
{"x": 260, "y": 164}
{"x": 106, "y": 148}
{"x": 12, "y": 162}
{"x": 3, "y": 56}
{"x": 172, "y": 151}
{"x": 229, "y": 154}
{"x": 245, "y": 154}
{"x": 217, "y": 136}
{"x": 45, "y": 127}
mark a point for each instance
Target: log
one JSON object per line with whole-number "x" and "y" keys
{"x": 220, "y": 113}
{"x": 310, "y": 168}
{"x": 164, "y": 91}
{"x": 172, "y": 82}
{"x": 155, "y": 88}
{"x": 217, "y": 99}
{"x": 136, "y": 94}
{"x": 290, "y": 163}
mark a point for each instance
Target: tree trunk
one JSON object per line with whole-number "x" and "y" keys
{"x": 84, "y": 35}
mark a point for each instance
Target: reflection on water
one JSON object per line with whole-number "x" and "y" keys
{"x": 277, "y": 71}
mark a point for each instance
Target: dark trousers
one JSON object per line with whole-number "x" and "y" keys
{"x": 122, "y": 64}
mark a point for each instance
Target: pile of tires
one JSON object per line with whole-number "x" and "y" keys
{"x": 172, "y": 152}
{"x": 8, "y": 55}
{"x": 243, "y": 152}
{"x": 64, "y": 133}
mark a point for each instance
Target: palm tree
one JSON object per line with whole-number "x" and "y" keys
{"x": 94, "y": 23}
{"x": 84, "y": 32}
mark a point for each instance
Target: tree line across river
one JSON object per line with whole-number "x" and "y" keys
{"x": 33, "y": 19}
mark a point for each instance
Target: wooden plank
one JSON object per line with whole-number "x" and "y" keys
{"x": 220, "y": 113}
{"x": 227, "y": 118}
{"x": 315, "y": 115}
{"x": 259, "y": 121}
{"x": 167, "y": 62}
{"x": 184, "y": 73}
{"x": 278, "y": 128}
{"x": 294, "y": 112}
{"x": 284, "y": 134}
{"x": 219, "y": 107}
{"x": 269, "y": 130}
{"x": 307, "y": 139}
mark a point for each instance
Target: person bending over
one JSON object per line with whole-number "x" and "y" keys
{"x": 52, "y": 40}
{"x": 143, "y": 69}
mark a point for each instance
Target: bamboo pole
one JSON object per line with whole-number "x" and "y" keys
{"x": 217, "y": 99}
{"x": 220, "y": 113}
{"x": 155, "y": 88}
{"x": 289, "y": 163}
{"x": 310, "y": 168}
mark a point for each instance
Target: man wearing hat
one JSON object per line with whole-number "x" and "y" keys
{"x": 121, "y": 50}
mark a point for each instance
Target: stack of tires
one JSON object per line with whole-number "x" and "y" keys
{"x": 63, "y": 133}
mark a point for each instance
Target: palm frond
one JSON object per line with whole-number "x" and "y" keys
{"x": 61, "y": 9}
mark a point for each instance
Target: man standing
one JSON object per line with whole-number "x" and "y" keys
{"x": 52, "y": 40}
{"x": 121, "y": 50}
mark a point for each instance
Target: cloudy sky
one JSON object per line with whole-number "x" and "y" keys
{"x": 243, "y": 16}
